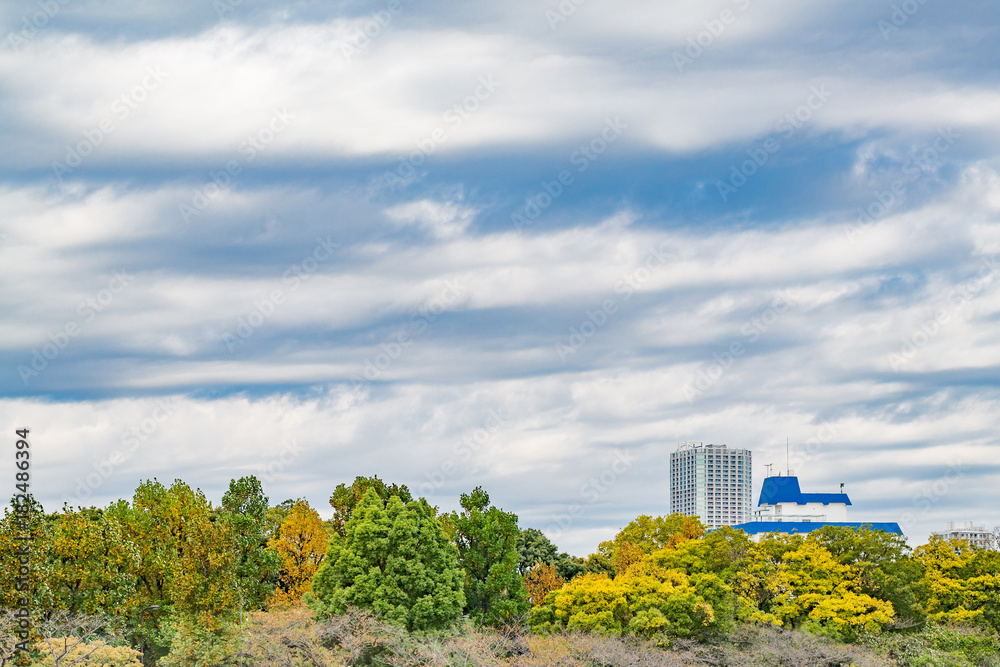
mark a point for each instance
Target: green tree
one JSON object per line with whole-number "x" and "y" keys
{"x": 882, "y": 566}
{"x": 396, "y": 560}
{"x": 487, "y": 540}
{"x": 533, "y": 547}
{"x": 569, "y": 567}
{"x": 92, "y": 563}
{"x": 346, "y": 498}
{"x": 187, "y": 564}
{"x": 244, "y": 517}
{"x": 21, "y": 519}
{"x": 276, "y": 516}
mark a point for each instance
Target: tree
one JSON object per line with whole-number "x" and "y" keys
{"x": 883, "y": 567}
{"x": 21, "y": 519}
{"x": 346, "y": 498}
{"x": 817, "y": 590}
{"x": 187, "y": 564}
{"x": 570, "y": 567}
{"x": 92, "y": 563}
{"x": 396, "y": 560}
{"x": 533, "y": 547}
{"x": 964, "y": 582}
{"x": 487, "y": 540}
{"x": 646, "y": 600}
{"x": 648, "y": 535}
{"x": 300, "y": 546}
{"x": 540, "y": 580}
{"x": 244, "y": 518}
{"x": 276, "y": 516}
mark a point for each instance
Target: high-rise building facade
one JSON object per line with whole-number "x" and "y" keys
{"x": 711, "y": 482}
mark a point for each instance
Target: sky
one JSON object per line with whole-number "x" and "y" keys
{"x": 529, "y": 246}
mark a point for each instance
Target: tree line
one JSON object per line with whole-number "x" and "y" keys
{"x": 174, "y": 574}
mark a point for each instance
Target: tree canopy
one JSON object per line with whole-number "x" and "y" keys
{"x": 396, "y": 560}
{"x": 487, "y": 539}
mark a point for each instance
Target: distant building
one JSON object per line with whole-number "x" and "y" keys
{"x": 784, "y": 508}
{"x": 711, "y": 482}
{"x": 977, "y": 536}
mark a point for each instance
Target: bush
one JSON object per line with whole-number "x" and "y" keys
{"x": 72, "y": 651}
{"x": 194, "y": 646}
{"x": 936, "y": 645}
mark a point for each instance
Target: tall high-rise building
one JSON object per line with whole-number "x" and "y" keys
{"x": 711, "y": 482}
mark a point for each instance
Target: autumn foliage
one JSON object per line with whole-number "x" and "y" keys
{"x": 301, "y": 544}
{"x": 189, "y": 583}
{"x": 540, "y": 580}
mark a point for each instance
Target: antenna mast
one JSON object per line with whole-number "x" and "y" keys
{"x": 788, "y": 470}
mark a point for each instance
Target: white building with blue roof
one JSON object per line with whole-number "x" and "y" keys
{"x": 784, "y": 508}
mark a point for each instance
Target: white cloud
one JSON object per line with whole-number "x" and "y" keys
{"x": 443, "y": 220}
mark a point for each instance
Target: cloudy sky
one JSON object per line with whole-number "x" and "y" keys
{"x": 527, "y": 245}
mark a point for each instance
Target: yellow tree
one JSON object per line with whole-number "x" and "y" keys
{"x": 648, "y": 534}
{"x": 964, "y": 582}
{"x": 301, "y": 544}
{"x": 816, "y": 589}
{"x": 626, "y": 555}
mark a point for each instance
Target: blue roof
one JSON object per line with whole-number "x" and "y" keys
{"x": 757, "y": 527}
{"x": 786, "y": 490}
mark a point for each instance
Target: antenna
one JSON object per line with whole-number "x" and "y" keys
{"x": 841, "y": 487}
{"x": 788, "y": 469}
